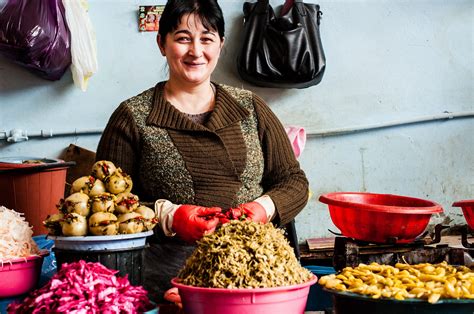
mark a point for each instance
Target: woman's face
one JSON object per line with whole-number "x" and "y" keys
{"x": 192, "y": 51}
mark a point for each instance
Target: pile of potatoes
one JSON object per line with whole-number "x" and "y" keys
{"x": 101, "y": 204}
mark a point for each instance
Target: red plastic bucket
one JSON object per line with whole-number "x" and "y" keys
{"x": 32, "y": 188}
{"x": 278, "y": 300}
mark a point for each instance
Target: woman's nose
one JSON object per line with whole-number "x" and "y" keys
{"x": 196, "y": 49}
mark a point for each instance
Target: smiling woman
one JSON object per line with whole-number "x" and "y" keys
{"x": 201, "y": 152}
{"x": 192, "y": 49}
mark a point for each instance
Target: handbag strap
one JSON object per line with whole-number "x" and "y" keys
{"x": 286, "y": 7}
{"x": 262, "y": 6}
{"x": 299, "y": 6}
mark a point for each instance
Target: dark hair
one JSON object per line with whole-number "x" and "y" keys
{"x": 208, "y": 11}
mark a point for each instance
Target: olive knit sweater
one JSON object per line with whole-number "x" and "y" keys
{"x": 240, "y": 153}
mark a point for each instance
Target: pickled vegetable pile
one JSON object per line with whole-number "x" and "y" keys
{"x": 101, "y": 204}
{"x": 423, "y": 281}
{"x": 244, "y": 254}
{"x": 85, "y": 288}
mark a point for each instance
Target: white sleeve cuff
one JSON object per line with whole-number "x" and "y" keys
{"x": 165, "y": 210}
{"x": 267, "y": 203}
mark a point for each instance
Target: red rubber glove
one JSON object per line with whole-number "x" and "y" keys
{"x": 191, "y": 222}
{"x": 254, "y": 211}
{"x": 251, "y": 211}
{"x": 230, "y": 214}
{"x": 172, "y": 295}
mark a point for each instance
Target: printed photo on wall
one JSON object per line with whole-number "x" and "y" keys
{"x": 149, "y": 17}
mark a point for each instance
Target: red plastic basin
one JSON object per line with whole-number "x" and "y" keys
{"x": 379, "y": 218}
{"x": 278, "y": 300}
{"x": 21, "y": 275}
{"x": 468, "y": 211}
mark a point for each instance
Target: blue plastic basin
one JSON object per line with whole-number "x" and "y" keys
{"x": 318, "y": 299}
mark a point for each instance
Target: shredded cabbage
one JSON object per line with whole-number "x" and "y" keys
{"x": 15, "y": 236}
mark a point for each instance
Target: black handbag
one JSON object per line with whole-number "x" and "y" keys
{"x": 282, "y": 51}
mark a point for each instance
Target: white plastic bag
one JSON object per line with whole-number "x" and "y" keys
{"x": 83, "y": 42}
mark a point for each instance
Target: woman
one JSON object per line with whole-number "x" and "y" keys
{"x": 196, "y": 149}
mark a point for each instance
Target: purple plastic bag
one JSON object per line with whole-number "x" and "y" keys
{"x": 34, "y": 34}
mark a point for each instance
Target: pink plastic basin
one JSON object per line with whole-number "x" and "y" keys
{"x": 278, "y": 300}
{"x": 19, "y": 276}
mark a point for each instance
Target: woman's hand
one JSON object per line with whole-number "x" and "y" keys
{"x": 191, "y": 222}
{"x": 253, "y": 211}
{"x": 172, "y": 295}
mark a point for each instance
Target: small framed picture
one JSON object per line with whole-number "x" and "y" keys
{"x": 149, "y": 17}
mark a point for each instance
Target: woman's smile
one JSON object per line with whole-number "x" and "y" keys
{"x": 194, "y": 64}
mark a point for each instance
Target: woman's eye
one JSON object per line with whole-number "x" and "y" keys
{"x": 183, "y": 39}
{"x": 207, "y": 39}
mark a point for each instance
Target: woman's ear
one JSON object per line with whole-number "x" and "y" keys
{"x": 162, "y": 48}
{"x": 222, "y": 42}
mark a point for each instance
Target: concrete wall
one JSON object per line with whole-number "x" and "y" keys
{"x": 387, "y": 61}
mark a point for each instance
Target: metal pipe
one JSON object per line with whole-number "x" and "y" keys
{"x": 49, "y": 133}
{"x": 17, "y": 135}
{"x": 363, "y": 128}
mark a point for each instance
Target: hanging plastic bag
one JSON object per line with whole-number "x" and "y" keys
{"x": 297, "y": 136}
{"x": 83, "y": 42}
{"x": 35, "y": 35}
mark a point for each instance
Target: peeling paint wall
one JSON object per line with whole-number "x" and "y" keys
{"x": 386, "y": 61}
